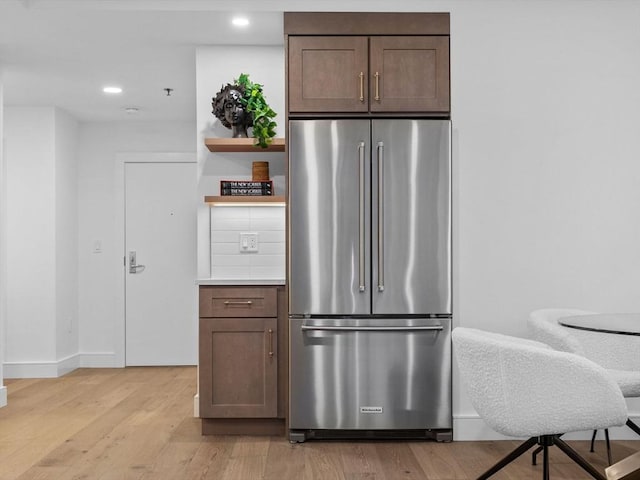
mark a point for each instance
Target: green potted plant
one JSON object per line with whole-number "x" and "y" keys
{"x": 241, "y": 105}
{"x": 253, "y": 100}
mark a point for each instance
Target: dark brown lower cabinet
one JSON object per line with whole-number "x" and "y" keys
{"x": 239, "y": 362}
{"x": 241, "y": 379}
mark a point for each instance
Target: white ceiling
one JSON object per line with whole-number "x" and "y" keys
{"x": 63, "y": 52}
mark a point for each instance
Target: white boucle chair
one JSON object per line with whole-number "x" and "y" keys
{"x": 619, "y": 354}
{"x": 524, "y": 388}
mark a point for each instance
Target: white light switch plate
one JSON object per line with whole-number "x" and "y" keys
{"x": 249, "y": 242}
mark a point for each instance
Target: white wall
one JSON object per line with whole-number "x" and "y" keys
{"x": 60, "y": 190}
{"x": 98, "y": 146}
{"x": 215, "y": 67}
{"x": 66, "y": 237}
{"x": 3, "y": 256}
{"x": 545, "y": 112}
{"x": 30, "y": 223}
{"x": 547, "y": 148}
{"x": 41, "y": 236}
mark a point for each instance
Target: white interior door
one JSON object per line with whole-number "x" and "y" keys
{"x": 160, "y": 289}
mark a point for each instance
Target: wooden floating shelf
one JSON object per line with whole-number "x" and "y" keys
{"x": 242, "y": 145}
{"x": 266, "y": 199}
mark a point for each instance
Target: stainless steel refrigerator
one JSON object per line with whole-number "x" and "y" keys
{"x": 370, "y": 278}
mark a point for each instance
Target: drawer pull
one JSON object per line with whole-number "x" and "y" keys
{"x": 248, "y": 303}
{"x": 270, "y": 343}
{"x": 377, "y": 76}
{"x": 361, "y": 86}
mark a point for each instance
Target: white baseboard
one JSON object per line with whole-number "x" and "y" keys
{"x": 98, "y": 360}
{"x": 67, "y": 365}
{"x": 31, "y": 370}
{"x": 473, "y": 428}
{"x": 196, "y": 405}
{"x": 3, "y": 397}
{"x": 54, "y": 369}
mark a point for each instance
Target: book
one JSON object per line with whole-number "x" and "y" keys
{"x": 245, "y": 188}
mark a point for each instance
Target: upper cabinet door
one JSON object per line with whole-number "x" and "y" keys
{"x": 409, "y": 74}
{"x": 328, "y": 74}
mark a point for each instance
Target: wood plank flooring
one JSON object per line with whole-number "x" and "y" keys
{"x": 137, "y": 424}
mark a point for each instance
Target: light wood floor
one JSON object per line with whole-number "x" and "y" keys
{"x": 137, "y": 423}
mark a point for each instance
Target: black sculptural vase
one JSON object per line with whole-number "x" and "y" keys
{"x": 228, "y": 108}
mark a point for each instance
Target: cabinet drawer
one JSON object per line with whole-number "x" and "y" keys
{"x": 226, "y": 302}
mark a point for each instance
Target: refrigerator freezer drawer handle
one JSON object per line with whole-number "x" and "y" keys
{"x": 371, "y": 329}
{"x": 361, "y": 220}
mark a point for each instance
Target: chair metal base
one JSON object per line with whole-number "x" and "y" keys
{"x": 606, "y": 438}
{"x": 545, "y": 441}
{"x": 629, "y": 424}
{"x": 633, "y": 426}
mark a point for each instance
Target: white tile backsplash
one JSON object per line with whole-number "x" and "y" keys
{"x": 232, "y": 224}
{"x": 268, "y": 213}
{"x": 272, "y": 248}
{"x": 268, "y": 224}
{"x": 232, "y": 273}
{"x": 224, "y": 236}
{"x": 270, "y": 236}
{"x": 224, "y": 248}
{"x": 230, "y": 260}
{"x": 266, "y": 261}
{"x": 227, "y": 262}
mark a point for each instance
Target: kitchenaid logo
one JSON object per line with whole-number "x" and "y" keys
{"x": 370, "y": 409}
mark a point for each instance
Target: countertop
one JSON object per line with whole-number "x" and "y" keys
{"x": 240, "y": 281}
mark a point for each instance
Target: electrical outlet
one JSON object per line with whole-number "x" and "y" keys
{"x": 249, "y": 242}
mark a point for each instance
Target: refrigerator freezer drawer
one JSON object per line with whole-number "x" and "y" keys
{"x": 370, "y": 374}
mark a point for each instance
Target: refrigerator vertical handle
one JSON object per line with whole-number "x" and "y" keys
{"x": 380, "y": 216}
{"x": 361, "y": 219}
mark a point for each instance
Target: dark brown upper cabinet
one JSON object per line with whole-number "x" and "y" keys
{"x": 369, "y": 74}
{"x": 367, "y": 63}
{"x": 328, "y": 74}
{"x": 409, "y": 74}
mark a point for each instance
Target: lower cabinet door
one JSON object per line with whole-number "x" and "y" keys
{"x": 238, "y": 367}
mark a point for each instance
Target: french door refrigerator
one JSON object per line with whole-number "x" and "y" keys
{"x": 370, "y": 278}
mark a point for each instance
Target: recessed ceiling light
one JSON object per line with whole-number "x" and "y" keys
{"x": 112, "y": 90}
{"x": 240, "y": 21}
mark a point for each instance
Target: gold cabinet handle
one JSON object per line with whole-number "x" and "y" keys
{"x": 270, "y": 343}
{"x": 361, "y": 86}
{"x": 377, "y": 76}
{"x": 248, "y": 303}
